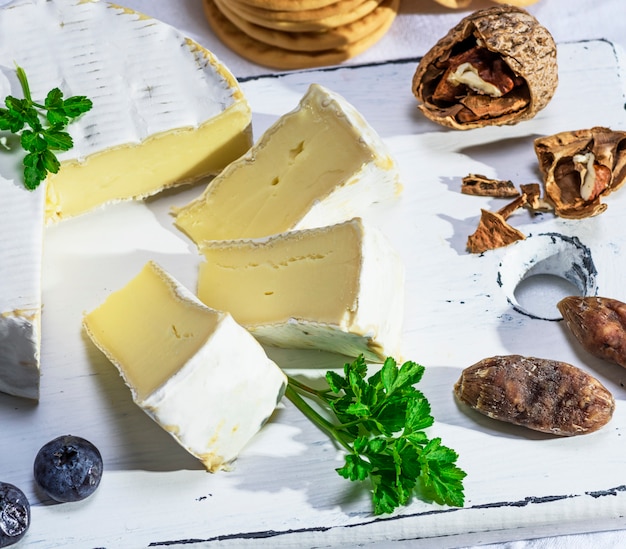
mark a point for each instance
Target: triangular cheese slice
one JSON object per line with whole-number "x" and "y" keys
{"x": 322, "y": 163}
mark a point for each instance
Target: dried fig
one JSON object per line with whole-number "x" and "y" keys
{"x": 544, "y": 395}
{"x": 497, "y": 66}
{"x": 580, "y": 167}
{"x": 599, "y": 325}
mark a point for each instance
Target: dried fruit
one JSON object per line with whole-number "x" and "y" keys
{"x": 480, "y": 185}
{"x": 599, "y": 325}
{"x": 497, "y": 66}
{"x": 543, "y": 395}
{"x": 580, "y": 167}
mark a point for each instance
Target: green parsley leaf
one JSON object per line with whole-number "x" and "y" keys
{"x": 27, "y": 118}
{"x": 57, "y": 139}
{"x": 380, "y": 421}
{"x": 10, "y": 120}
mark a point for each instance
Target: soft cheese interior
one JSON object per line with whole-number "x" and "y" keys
{"x": 339, "y": 288}
{"x": 193, "y": 369}
{"x": 317, "y": 165}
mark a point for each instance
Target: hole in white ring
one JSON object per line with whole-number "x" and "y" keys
{"x": 536, "y": 273}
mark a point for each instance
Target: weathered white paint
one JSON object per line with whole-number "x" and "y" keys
{"x": 284, "y": 491}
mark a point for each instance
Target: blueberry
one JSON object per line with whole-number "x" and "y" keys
{"x": 68, "y": 468}
{"x": 14, "y": 514}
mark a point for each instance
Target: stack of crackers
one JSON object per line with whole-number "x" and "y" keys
{"x": 295, "y": 34}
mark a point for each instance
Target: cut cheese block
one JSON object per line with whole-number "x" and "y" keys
{"x": 317, "y": 165}
{"x": 165, "y": 111}
{"x": 194, "y": 370}
{"x": 21, "y": 224}
{"x": 338, "y": 288}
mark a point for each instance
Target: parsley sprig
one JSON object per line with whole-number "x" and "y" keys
{"x": 41, "y": 128}
{"x": 380, "y": 422}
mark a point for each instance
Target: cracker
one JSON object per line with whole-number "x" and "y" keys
{"x": 289, "y": 5}
{"x": 341, "y": 13}
{"x": 337, "y": 37}
{"x": 336, "y": 8}
{"x": 285, "y": 59}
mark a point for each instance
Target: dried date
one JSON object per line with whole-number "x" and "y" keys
{"x": 540, "y": 394}
{"x": 599, "y": 325}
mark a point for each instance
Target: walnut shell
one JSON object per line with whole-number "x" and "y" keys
{"x": 580, "y": 167}
{"x": 514, "y": 57}
{"x": 492, "y": 232}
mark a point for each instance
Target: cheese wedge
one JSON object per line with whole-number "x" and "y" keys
{"x": 338, "y": 288}
{"x": 194, "y": 370}
{"x": 317, "y": 165}
{"x": 165, "y": 110}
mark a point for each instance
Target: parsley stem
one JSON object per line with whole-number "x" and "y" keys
{"x": 292, "y": 394}
{"x": 21, "y": 76}
{"x": 324, "y": 394}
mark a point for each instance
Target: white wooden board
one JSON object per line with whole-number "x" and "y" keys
{"x": 284, "y": 491}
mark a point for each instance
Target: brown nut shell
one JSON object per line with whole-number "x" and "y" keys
{"x": 599, "y": 325}
{"x": 568, "y": 159}
{"x": 509, "y": 50}
{"x": 544, "y": 395}
{"x": 492, "y": 232}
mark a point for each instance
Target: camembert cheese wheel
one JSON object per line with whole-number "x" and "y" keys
{"x": 165, "y": 112}
{"x": 194, "y": 370}
{"x": 322, "y": 163}
{"x": 338, "y": 288}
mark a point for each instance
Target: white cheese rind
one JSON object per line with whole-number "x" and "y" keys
{"x": 216, "y": 401}
{"x": 118, "y": 58}
{"x": 221, "y": 398}
{"x": 21, "y": 228}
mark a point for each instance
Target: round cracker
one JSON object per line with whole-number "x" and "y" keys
{"x": 281, "y": 58}
{"x": 316, "y": 14}
{"x": 288, "y": 5}
{"x": 332, "y": 19}
{"x": 338, "y": 37}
